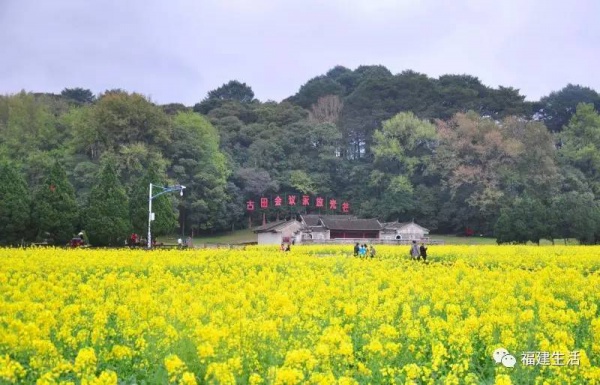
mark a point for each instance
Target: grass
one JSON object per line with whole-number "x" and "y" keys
{"x": 455, "y": 240}
{"x": 231, "y": 237}
{"x": 475, "y": 240}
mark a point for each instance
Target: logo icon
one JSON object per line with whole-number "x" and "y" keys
{"x": 502, "y": 356}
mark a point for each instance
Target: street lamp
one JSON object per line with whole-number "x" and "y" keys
{"x": 164, "y": 190}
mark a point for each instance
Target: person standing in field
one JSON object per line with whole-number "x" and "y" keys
{"x": 356, "y": 249}
{"x": 372, "y": 251}
{"x": 423, "y": 251}
{"x": 414, "y": 250}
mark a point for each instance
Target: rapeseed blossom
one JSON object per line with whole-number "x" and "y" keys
{"x": 315, "y": 315}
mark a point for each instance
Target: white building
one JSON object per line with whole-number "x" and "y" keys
{"x": 328, "y": 227}
{"x": 403, "y": 231}
{"x": 276, "y": 233}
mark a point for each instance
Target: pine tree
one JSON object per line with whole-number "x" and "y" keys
{"x": 107, "y": 215}
{"x": 54, "y": 207}
{"x": 14, "y": 205}
{"x": 165, "y": 216}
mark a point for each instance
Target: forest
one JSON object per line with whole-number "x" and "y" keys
{"x": 455, "y": 155}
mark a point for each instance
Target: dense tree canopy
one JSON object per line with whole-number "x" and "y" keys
{"x": 450, "y": 152}
{"x": 556, "y": 109}
{"x": 55, "y": 210}
{"x": 14, "y": 206}
{"x": 106, "y": 218}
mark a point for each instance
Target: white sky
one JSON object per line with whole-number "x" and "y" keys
{"x": 176, "y": 51}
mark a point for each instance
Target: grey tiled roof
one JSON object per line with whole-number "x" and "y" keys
{"x": 394, "y": 225}
{"x": 399, "y": 225}
{"x": 351, "y": 224}
{"x": 273, "y": 226}
{"x": 314, "y": 219}
{"x": 318, "y": 229}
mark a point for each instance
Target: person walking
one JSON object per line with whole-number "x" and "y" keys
{"x": 414, "y": 250}
{"x": 423, "y": 251}
{"x": 362, "y": 251}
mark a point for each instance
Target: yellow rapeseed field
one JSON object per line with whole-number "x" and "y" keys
{"x": 315, "y": 315}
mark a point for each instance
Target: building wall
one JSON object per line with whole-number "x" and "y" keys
{"x": 388, "y": 234}
{"x": 412, "y": 231}
{"x": 316, "y": 235}
{"x": 408, "y": 232}
{"x": 291, "y": 229}
{"x": 269, "y": 238}
{"x": 359, "y": 234}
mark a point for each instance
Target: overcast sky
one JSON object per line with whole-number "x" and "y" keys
{"x": 178, "y": 50}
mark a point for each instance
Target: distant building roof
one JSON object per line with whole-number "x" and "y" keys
{"x": 273, "y": 226}
{"x": 399, "y": 225}
{"x": 318, "y": 229}
{"x": 351, "y": 224}
{"x": 315, "y": 219}
{"x": 394, "y": 225}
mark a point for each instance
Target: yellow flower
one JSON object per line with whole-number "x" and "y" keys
{"x": 255, "y": 379}
{"x": 347, "y": 381}
{"x": 301, "y": 358}
{"x": 288, "y": 376}
{"x": 188, "y": 378}
{"x": 85, "y": 362}
{"x": 219, "y": 373}
{"x": 502, "y": 379}
{"x": 175, "y": 367}
{"x": 120, "y": 352}
{"x": 205, "y": 350}
{"x": 412, "y": 371}
{"x": 250, "y": 315}
{"x": 10, "y": 370}
{"x": 105, "y": 378}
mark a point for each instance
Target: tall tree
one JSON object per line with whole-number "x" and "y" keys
{"x": 14, "y": 205}
{"x": 475, "y": 157}
{"x": 55, "y": 210}
{"x": 119, "y": 119}
{"x": 27, "y": 126}
{"x": 201, "y": 167}
{"x": 326, "y": 110}
{"x": 404, "y": 144}
{"x": 526, "y": 220}
{"x": 402, "y": 148}
{"x": 536, "y": 171}
{"x": 234, "y": 90}
{"x": 581, "y": 148}
{"x": 577, "y": 216}
{"x": 231, "y": 91}
{"x": 315, "y": 89}
{"x": 556, "y": 109}
{"x": 78, "y": 95}
{"x": 106, "y": 217}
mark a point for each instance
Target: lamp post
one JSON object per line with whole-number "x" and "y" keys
{"x": 164, "y": 190}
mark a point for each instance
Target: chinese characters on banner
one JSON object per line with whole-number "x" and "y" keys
{"x": 305, "y": 200}
{"x": 329, "y": 204}
{"x": 264, "y": 203}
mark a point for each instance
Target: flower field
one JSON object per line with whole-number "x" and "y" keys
{"x": 314, "y": 315}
